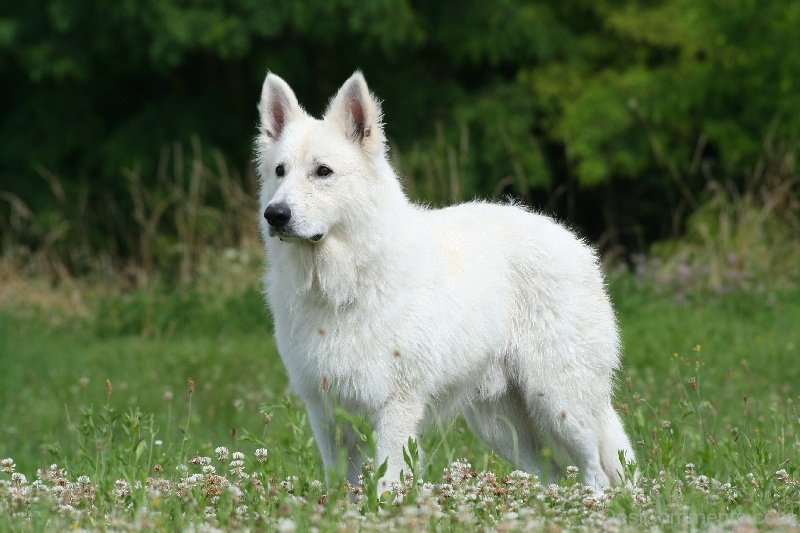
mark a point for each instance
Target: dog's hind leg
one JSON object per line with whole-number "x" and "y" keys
{"x": 586, "y": 428}
{"x": 502, "y": 423}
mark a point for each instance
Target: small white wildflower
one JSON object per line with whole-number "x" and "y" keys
{"x": 666, "y": 424}
{"x": 782, "y": 475}
{"x": 519, "y": 474}
{"x": 222, "y": 453}
{"x": 19, "y": 479}
{"x": 286, "y": 525}
{"x": 288, "y": 484}
{"x": 7, "y": 465}
{"x": 689, "y": 470}
{"x": 261, "y": 454}
{"x": 158, "y": 442}
{"x": 122, "y": 489}
{"x": 238, "y": 456}
{"x": 427, "y": 489}
{"x": 572, "y": 472}
{"x": 209, "y": 469}
{"x": 235, "y": 492}
{"x": 66, "y": 509}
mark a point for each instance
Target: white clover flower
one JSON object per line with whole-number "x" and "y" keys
{"x": 66, "y": 509}
{"x": 19, "y": 478}
{"x": 122, "y": 489}
{"x": 209, "y": 469}
{"x": 222, "y": 453}
{"x": 238, "y": 456}
{"x": 572, "y": 472}
{"x": 237, "y": 469}
{"x": 286, "y": 525}
{"x": 520, "y": 475}
{"x": 261, "y": 454}
{"x": 782, "y": 475}
{"x": 7, "y": 465}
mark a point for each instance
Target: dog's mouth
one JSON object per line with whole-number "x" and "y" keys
{"x": 285, "y": 234}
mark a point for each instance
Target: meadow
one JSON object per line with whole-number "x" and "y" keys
{"x": 163, "y": 407}
{"x": 140, "y": 387}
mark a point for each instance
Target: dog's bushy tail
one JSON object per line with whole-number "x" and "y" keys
{"x": 613, "y": 439}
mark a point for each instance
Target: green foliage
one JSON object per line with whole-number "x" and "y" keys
{"x": 557, "y": 102}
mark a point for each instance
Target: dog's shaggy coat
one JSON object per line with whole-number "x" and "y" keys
{"x": 403, "y": 313}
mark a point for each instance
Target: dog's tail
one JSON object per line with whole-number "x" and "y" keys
{"x": 614, "y": 440}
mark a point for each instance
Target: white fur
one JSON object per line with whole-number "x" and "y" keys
{"x": 403, "y": 313}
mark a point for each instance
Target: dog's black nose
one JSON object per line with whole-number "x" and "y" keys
{"x": 278, "y": 215}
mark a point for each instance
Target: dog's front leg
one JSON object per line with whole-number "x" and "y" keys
{"x": 322, "y": 425}
{"x": 395, "y": 423}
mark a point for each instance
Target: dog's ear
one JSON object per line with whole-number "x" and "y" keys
{"x": 278, "y": 106}
{"x": 358, "y": 114}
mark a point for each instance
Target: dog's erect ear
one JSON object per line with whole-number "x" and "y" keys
{"x": 278, "y": 106}
{"x": 358, "y": 114}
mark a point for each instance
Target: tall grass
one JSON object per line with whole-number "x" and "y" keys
{"x": 165, "y": 226}
{"x": 743, "y": 237}
{"x": 174, "y": 226}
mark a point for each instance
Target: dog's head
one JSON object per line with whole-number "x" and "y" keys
{"x": 315, "y": 173}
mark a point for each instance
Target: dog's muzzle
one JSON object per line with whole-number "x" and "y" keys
{"x": 287, "y": 234}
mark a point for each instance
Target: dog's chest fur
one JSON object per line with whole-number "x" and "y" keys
{"x": 408, "y": 337}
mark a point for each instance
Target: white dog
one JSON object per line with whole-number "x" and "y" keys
{"x": 404, "y": 313}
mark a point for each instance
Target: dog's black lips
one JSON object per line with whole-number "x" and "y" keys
{"x": 281, "y": 234}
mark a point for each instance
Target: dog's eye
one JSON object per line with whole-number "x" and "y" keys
{"x": 280, "y": 171}
{"x": 323, "y": 171}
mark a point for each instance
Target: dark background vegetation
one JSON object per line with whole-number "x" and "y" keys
{"x": 615, "y": 116}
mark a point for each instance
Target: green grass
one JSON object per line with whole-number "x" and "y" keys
{"x": 713, "y": 381}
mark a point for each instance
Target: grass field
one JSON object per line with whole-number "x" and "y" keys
{"x": 141, "y": 402}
